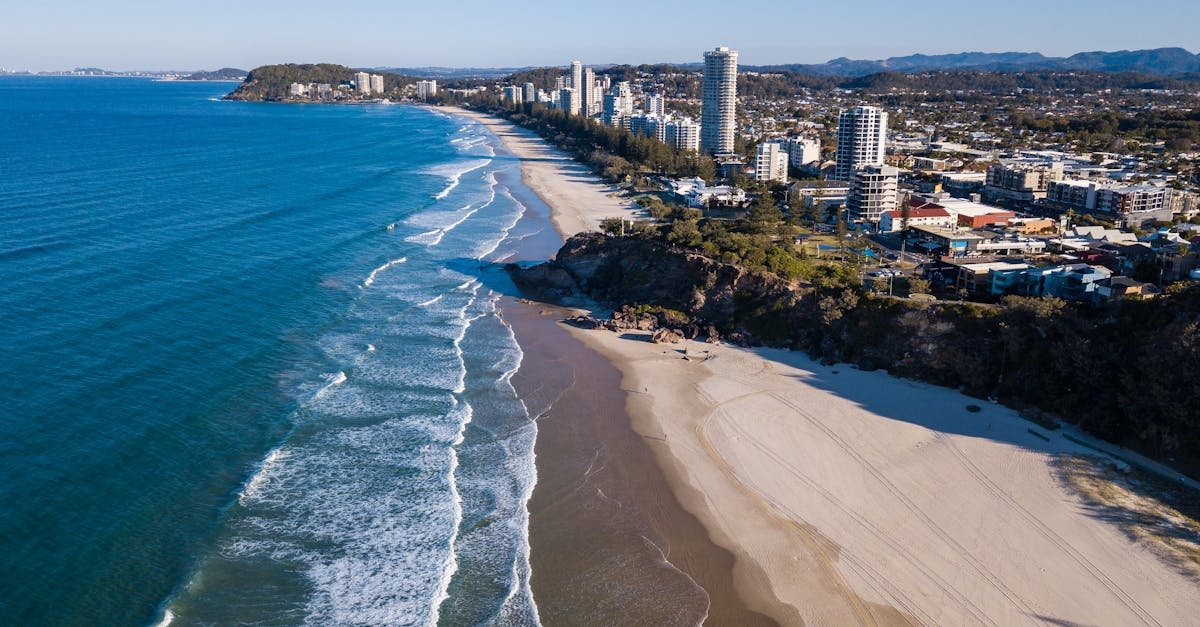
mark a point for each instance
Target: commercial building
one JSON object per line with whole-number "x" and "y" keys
{"x": 873, "y": 190}
{"x": 1131, "y": 205}
{"x": 718, "y": 107}
{"x": 771, "y": 163}
{"x": 818, "y": 194}
{"x": 862, "y": 140}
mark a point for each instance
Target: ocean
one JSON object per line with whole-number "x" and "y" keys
{"x": 253, "y": 367}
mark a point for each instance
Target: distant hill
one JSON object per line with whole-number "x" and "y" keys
{"x": 271, "y": 82}
{"x": 1157, "y": 62}
{"x": 447, "y": 73}
{"x": 223, "y": 74}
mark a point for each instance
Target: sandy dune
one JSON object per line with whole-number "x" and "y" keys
{"x": 849, "y": 492}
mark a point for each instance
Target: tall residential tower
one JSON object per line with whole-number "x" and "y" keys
{"x": 862, "y": 139}
{"x": 718, "y": 110}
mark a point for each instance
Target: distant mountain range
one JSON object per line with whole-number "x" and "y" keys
{"x": 453, "y": 72}
{"x": 1158, "y": 62}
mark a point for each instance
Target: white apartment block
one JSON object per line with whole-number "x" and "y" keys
{"x": 862, "y": 140}
{"x": 569, "y": 101}
{"x": 683, "y": 134}
{"x": 656, "y": 105}
{"x": 718, "y": 108}
{"x": 771, "y": 163}
{"x": 362, "y": 82}
{"x": 426, "y": 89}
{"x": 802, "y": 151}
{"x": 514, "y": 95}
{"x": 618, "y": 104}
{"x": 1021, "y": 182}
{"x": 377, "y": 84}
{"x": 873, "y": 190}
{"x": 298, "y": 89}
{"x": 529, "y": 93}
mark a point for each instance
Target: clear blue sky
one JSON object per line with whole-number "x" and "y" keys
{"x": 206, "y": 34}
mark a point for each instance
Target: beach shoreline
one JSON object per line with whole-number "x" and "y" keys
{"x": 853, "y": 497}
{"x": 578, "y": 199}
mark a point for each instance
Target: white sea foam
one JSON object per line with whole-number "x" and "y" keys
{"x": 488, "y": 246}
{"x": 261, "y": 476}
{"x": 431, "y": 301}
{"x": 454, "y": 173}
{"x": 375, "y": 273}
{"x": 332, "y": 380}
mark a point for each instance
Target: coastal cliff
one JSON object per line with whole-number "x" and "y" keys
{"x": 1125, "y": 371}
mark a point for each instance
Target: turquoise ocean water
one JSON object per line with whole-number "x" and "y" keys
{"x": 252, "y": 367}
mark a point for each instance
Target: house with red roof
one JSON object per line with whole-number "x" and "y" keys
{"x": 920, "y": 213}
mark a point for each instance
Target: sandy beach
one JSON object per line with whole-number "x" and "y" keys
{"x": 579, "y": 200}
{"x": 857, "y": 497}
{"x": 822, "y": 494}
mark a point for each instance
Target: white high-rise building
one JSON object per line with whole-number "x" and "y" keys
{"x": 426, "y": 89}
{"x": 656, "y": 127}
{"x": 377, "y": 84}
{"x": 362, "y": 82}
{"x": 803, "y": 151}
{"x": 589, "y": 93}
{"x": 529, "y": 93}
{"x": 873, "y": 190}
{"x": 656, "y": 105}
{"x": 862, "y": 140}
{"x": 683, "y": 134}
{"x": 718, "y": 108}
{"x": 576, "y": 75}
{"x": 514, "y": 95}
{"x": 569, "y": 101}
{"x": 771, "y": 163}
{"x": 618, "y": 104}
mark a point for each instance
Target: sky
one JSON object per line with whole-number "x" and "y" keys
{"x": 207, "y": 34}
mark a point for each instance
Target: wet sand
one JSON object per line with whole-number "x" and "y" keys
{"x": 611, "y": 544}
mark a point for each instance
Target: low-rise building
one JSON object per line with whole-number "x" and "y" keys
{"x": 920, "y": 213}
{"x": 699, "y": 195}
